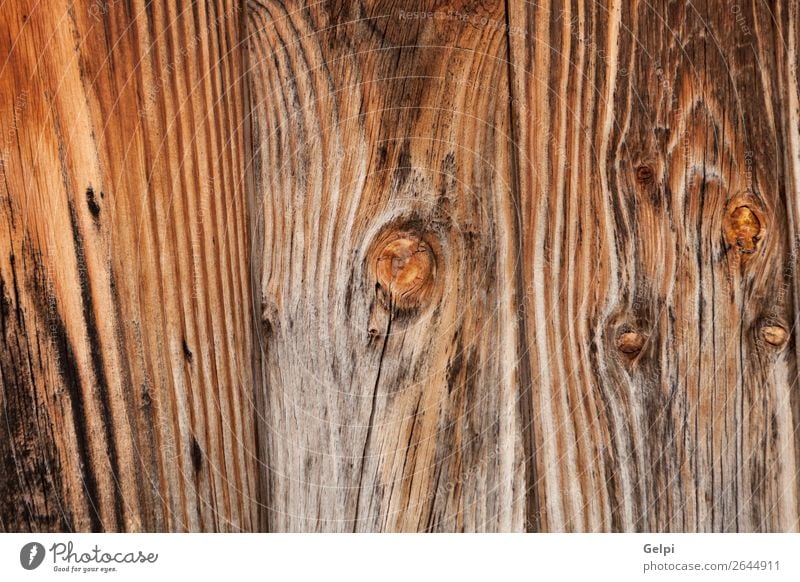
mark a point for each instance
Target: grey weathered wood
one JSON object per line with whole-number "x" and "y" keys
{"x": 381, "y": 413}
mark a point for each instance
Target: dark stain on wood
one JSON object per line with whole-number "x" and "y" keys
{"x": 187, "y": 353}
{"x": 197, "y": 455}
{"x": 92, "y": 204}
{"x": 97, "y": 358}
{"x": 30, "y": 464}
{"x": 47, "y": 304}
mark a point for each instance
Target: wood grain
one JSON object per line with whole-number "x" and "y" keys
{"x": 446, "y": 265}
{"x": 659, "y": 253}
{"x": 612, "y": 191}
{"x": 371, "y": 125}
{"x": 125, "y": 358}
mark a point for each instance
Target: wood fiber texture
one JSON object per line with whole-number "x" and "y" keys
{"x": 384, "y": 417}
{"x": 642, "y": 131}
{"x": 126, "y": 335}
{"x": 373, "y": 265}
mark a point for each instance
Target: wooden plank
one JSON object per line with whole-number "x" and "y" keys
{"x": 658, "y": 157}
{"x": 513, "y": 265}
{"x": 385, "y": 216}
{"x": 125, "y": 365}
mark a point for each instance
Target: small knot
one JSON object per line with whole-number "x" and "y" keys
{"x": 644, "y": 174}
{"x": 746, "y": 226}
{"x": 742, "y": 227}
{"x": 774, "y": 335}
{"x": 404, "y": 262}
{"x": 630, "y": 342}
{"x": 405, "y": 268}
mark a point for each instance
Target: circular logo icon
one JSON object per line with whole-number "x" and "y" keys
{"x": 31, "y": 555}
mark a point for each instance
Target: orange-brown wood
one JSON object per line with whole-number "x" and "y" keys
{"x": 125, "y": 344}
{"x": 399, "y": 266}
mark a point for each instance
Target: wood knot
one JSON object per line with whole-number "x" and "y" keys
{"x": 743, "y": 226}
{"x": 746, "y": 227}
{"x": 405, "y": 268}
{"x": 404, "y": 263}
{"x": 644, "y": 174}
{"x": 631, "y": 342}
{"x": 774, "y": 335}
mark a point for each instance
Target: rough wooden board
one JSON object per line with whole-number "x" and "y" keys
{"x": 601, "y": 357}
{"x": 658, "y": 403}
{"x": 125, "y": 356}
{"x": 367, "y": 123}
{"x": 515, "y": 266}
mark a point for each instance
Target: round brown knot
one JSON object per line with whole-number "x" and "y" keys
{"x": 644, "y": 174}
{"x": 746, "y": 227}
{"x": 630, "y": 342}
{"x": 405, "y": 268}
{"x": 744, "y": 224}
{"x": 774, "y": 335}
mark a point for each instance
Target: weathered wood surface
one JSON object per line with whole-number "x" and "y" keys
{"x": 385, "y": 414}
{"x": 476, "y": 266}
{"x": 125, "y": 343}
{"x": 657, "y": 147}
{"x": 611, "y": 192}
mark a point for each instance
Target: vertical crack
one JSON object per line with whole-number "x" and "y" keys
{"x": 372, "y": 411}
